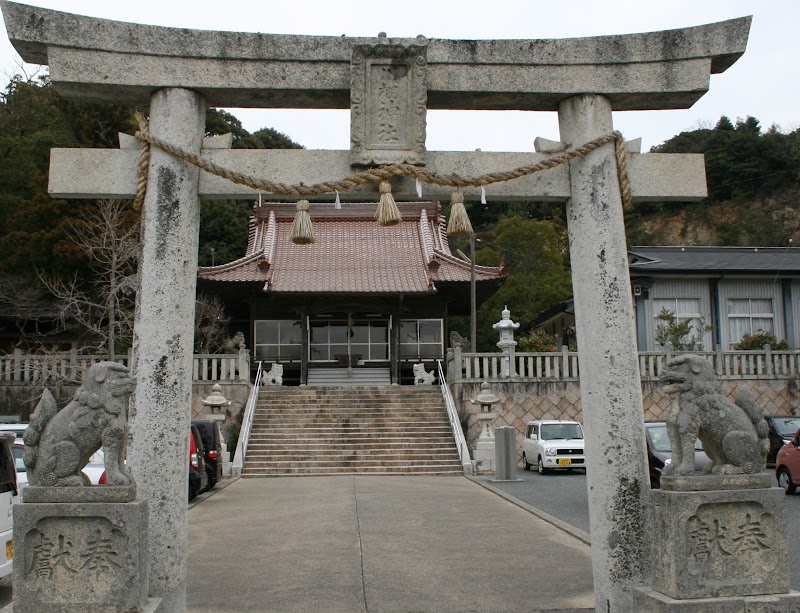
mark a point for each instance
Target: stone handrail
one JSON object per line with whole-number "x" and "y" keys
{"x": 247, "y": 423}
{"x": 563, "y": 365}
{"x": 455, "y": 422}
{"x": 30, "y": 369}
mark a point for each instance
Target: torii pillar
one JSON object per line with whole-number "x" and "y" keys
{"x": 163, "y": 340}
{"x": 611, "y": 393}
{"x": 177, "y": 72}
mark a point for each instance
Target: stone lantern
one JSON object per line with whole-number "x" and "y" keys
{"x": 506, "y": 343}
{"x": 215, "y": 402}
{"x": 485, "y": 448}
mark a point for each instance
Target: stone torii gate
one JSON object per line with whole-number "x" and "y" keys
{"x": 388, "y": 84}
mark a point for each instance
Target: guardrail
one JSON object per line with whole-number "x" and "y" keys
{"x": 247, "y": 422}
{"x": 564, "y": 366}
{"x": 455, "y": 423}
{"x": 38, "y": 369}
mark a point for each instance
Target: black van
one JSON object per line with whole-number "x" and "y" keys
{"x": 212, "y": 444}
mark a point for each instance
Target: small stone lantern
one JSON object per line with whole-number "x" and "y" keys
{"x": 506, "y": 343}
{"x": 484, "y": 449}
{"x": 215, "y": 402}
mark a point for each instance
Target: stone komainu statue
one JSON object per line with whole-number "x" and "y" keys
{"x": 734, "y": 436}
{"x": 456, "y": 340}
{"x": 274, "y": 376}
{"x": 58, "y": 444}
{"x": 422, "y": 376}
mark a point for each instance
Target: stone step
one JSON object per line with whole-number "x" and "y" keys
{"x": 304, "y": 434}
{"x": 337, "y": 443}
{"x": 409, "y": 471}
{"x": 349, "y": 404}
{"x": 349, "y": 392}
{"x": 343, "y": 412}
{"x": 321, "y": 422}
{"x": 256, "y": 466}
{"x": 339, "y": 449}
{"x": 411, "y": 453}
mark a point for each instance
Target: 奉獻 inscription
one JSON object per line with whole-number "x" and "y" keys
{"x": 726, "y": 539}
{"x": 74, "y": 553}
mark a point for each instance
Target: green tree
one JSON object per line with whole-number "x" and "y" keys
{"x": 534, "y": 253}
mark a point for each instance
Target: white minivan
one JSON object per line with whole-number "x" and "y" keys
{"x": 8, "y": 496}
{"x": 553, "y": 444}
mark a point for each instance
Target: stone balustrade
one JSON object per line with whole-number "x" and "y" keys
{"x": 20, "y": 368}
{"x": 563, "y": 365}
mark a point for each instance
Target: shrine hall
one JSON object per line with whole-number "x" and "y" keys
{"x": 361, "y": 304}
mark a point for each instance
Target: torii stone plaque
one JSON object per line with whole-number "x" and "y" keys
{"x": 179, "y": 73}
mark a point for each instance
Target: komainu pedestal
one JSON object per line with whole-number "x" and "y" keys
{"x": 81, "y": 557}
{"x": 719, "y": 544}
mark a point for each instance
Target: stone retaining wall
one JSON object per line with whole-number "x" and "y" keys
{"x": 521, "y": 402}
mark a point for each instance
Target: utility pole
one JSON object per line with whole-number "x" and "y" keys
{"x": 472, "y": 298}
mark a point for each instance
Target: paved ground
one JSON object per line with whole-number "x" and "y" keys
{"x": 565, "y": 496}
{"x": 378, "y": 545}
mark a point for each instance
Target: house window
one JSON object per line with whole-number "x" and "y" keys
{"x": 278, "y": 339}
{"x": 747, "y": 315}
{"x": 685, "y": 309}
{"x": 421, "y": 339}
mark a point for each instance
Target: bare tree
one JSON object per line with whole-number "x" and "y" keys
{"x": 210, "y": 324}
{"x": 109, "y": 234}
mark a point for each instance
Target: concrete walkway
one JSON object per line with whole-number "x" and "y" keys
{"x": 378, "y": 545}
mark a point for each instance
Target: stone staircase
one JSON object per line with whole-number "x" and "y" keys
{"x": 389, "y": 430}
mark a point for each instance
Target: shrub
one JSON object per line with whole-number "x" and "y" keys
{"x": 679, "y": 334}
{"x": 758, "y": 338}
{"x": 538, "y": 341}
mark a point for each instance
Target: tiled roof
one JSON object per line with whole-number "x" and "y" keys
{"x": 352, "y": 253}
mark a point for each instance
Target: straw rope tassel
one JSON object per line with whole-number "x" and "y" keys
{"x": 459, "y": 222}
{"x": 387, "y": 213}
{"x": 302, "y": 232}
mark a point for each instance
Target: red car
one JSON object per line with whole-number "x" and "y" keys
{"x": 198, "y": 476}
{"x": 787, "y": 465}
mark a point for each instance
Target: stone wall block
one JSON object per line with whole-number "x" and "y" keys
{"x": 527, "y": 401}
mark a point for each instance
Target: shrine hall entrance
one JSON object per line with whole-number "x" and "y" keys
{"x": 349, "y": 341}
{"x": 330, "y": 348}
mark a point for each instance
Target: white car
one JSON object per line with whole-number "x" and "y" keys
{"x": 8, "y": 496}
{"x": 553, "y": 445}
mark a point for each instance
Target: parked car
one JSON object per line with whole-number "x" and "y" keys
{"x": 659, "y": 451}
{"x": 787, "y": 465}
{"x": 8, "y": 496}
{"x": 96, "y": 466}
{"x": 781, "y": 431}
{"x": 553, "y": 445}
{"x": 18, "y": 451}
{"x": 198, "y": 476}
{"x": 17, "y": 427}
{"x": 212, "y": 444}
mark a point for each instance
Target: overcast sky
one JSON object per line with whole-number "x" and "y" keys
{"x": 764, "y": 83}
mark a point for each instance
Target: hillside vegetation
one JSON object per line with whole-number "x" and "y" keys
{"x": 45, "y": 264}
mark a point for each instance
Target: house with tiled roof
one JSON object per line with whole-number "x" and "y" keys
{"x": 736, "y": 290}
{"x": 361, "y": 301}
